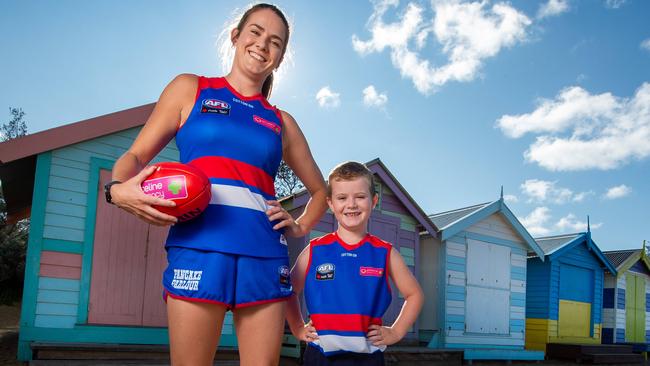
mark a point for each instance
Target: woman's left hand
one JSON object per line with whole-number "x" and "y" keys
{"x": 277, "y": 212}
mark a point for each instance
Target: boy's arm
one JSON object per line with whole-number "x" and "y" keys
{"x": 413, "y": 299}
{"x": 300, "y": 330}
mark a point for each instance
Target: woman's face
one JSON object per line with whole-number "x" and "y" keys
{"x": 260, "y": 45}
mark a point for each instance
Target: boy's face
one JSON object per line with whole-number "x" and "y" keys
{"x": 351, "y": 203}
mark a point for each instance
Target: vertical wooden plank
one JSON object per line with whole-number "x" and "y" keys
{"x": 630, "y": 314}
{"x": 118, "y": 265}
{"x": 640, "y": 310}
{"x": 155, "y": 310}
{"x": 33, "y": 255}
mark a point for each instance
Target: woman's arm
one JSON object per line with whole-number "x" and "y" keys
{"x": 413, "y": 298}
{"x": 300, "y": 330}
{"x": 297, "y": 155}
{"x": 173, "y": 106}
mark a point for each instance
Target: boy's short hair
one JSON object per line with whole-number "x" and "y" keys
{"x": 350, "y": 170}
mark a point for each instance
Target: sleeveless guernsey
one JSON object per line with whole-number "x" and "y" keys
{"x": 237, "y": 142}
{"x": 346, "y": 290}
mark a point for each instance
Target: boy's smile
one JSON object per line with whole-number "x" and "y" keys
{"x": 352, "y": 205}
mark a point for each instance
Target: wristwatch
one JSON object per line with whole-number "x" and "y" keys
{"x": 107, "y": 190}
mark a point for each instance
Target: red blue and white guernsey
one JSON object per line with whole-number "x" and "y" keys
{"x": 347, "y": 290}
{"x": 237, "y": 142}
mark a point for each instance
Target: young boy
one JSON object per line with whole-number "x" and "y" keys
{"x": 345, "y": 278}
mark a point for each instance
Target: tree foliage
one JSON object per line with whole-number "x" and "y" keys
{"x": 286, "y": 181}
{"x": 13, "y": 237}
{"x": 16, "y": 126}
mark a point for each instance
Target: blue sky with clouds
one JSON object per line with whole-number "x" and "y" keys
{"x": 550, "y": 99}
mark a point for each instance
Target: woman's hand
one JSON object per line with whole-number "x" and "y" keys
{"x": 128, "y": 195}
{"x": 382, "y": 336}
{"x": 277, "y": 212}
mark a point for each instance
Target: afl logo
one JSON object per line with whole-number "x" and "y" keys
{"x": 283, "y": 270}
{"x": 325, "y": 271}
{"x": 215, "y": 106}
{"x": 284, "y": 276}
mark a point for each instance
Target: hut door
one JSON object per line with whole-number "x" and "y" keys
{"x": 634, "y": 308}
{"x": 488, "y": 288}
{"x": 128, "y": 258}
{"x": 575, "y": 301}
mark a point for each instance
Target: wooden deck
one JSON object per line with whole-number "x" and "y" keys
{"x": 53, "y": 354}
{"x": 595, "y": 353}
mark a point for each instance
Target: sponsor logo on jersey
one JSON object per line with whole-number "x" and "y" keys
{"x": 325, "y": 271}
{"x": 215, "y": 106}
{"x": 283, "y": 271}
{"x": 185, "y": 279}
{"x": 371, "y": 271}
{"x": 236, "y": 100}
{"x": 170, "y": 188}
{"x": 348, "y": 254}
{"x": 268, "y": 124}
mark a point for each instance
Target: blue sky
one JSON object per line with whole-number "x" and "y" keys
{"x": 550, "y": 99}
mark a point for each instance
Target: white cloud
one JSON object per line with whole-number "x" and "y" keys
{"x": 539, "y": 223}
{"x": 468, "y": 32}
{"x": 373, "y": 99}
{"x": 581, "y": 131}
{"x": 543, "y": 191}
{"x": 617, "y": 192}
{"x": 614, "y": 4}
{"x": 645, "y": 44}
{"x": 552, "y": 8}
{"x": 510, "y": 198}
{"x": 571, "y": 223}
{"x": 327, "y": 98}
{"x": 537, "y": 220}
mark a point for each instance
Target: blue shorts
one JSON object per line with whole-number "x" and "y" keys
{"x": 231, "y": 280}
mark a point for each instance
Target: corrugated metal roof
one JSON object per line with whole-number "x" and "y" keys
{"x": 617, "y": 257}
{"x": 550, "y": 244}
{"x": 444, "y": 219}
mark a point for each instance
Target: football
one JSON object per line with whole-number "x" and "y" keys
{"x": 184, "y": 184}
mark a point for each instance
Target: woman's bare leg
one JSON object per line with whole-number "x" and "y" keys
{"x": 259, "y": 333}
{"x": 194, "y": 331}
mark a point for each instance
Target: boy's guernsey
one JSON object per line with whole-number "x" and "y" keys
{"x": 346, "y": 290}
{"x": 237, "y": 142}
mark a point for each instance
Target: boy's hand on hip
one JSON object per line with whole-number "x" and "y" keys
{"x": 308, "y": 333}
{"x": 382, "y": 336}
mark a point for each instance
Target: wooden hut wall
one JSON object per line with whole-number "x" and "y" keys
{"x": 429, "y": 277}
{"x": 60, "y": 249}
{"x": 621, "y": 323}
{"x": 538, "y": 305}
{"x": 469, "y": 322}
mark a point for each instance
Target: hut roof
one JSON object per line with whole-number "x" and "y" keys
{"x": 444, "y": 219}
{"x": 556, "y": 246}
{"x": 452, "y": 222}
{"x": 617, "y": 257}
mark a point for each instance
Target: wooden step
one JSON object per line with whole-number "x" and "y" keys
{"x": 574, "y": 351}
{"x": 399, "y": 355}
{"x": 613, "y": 358}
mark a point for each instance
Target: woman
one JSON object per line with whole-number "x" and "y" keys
{"x": 235, "y": 250}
